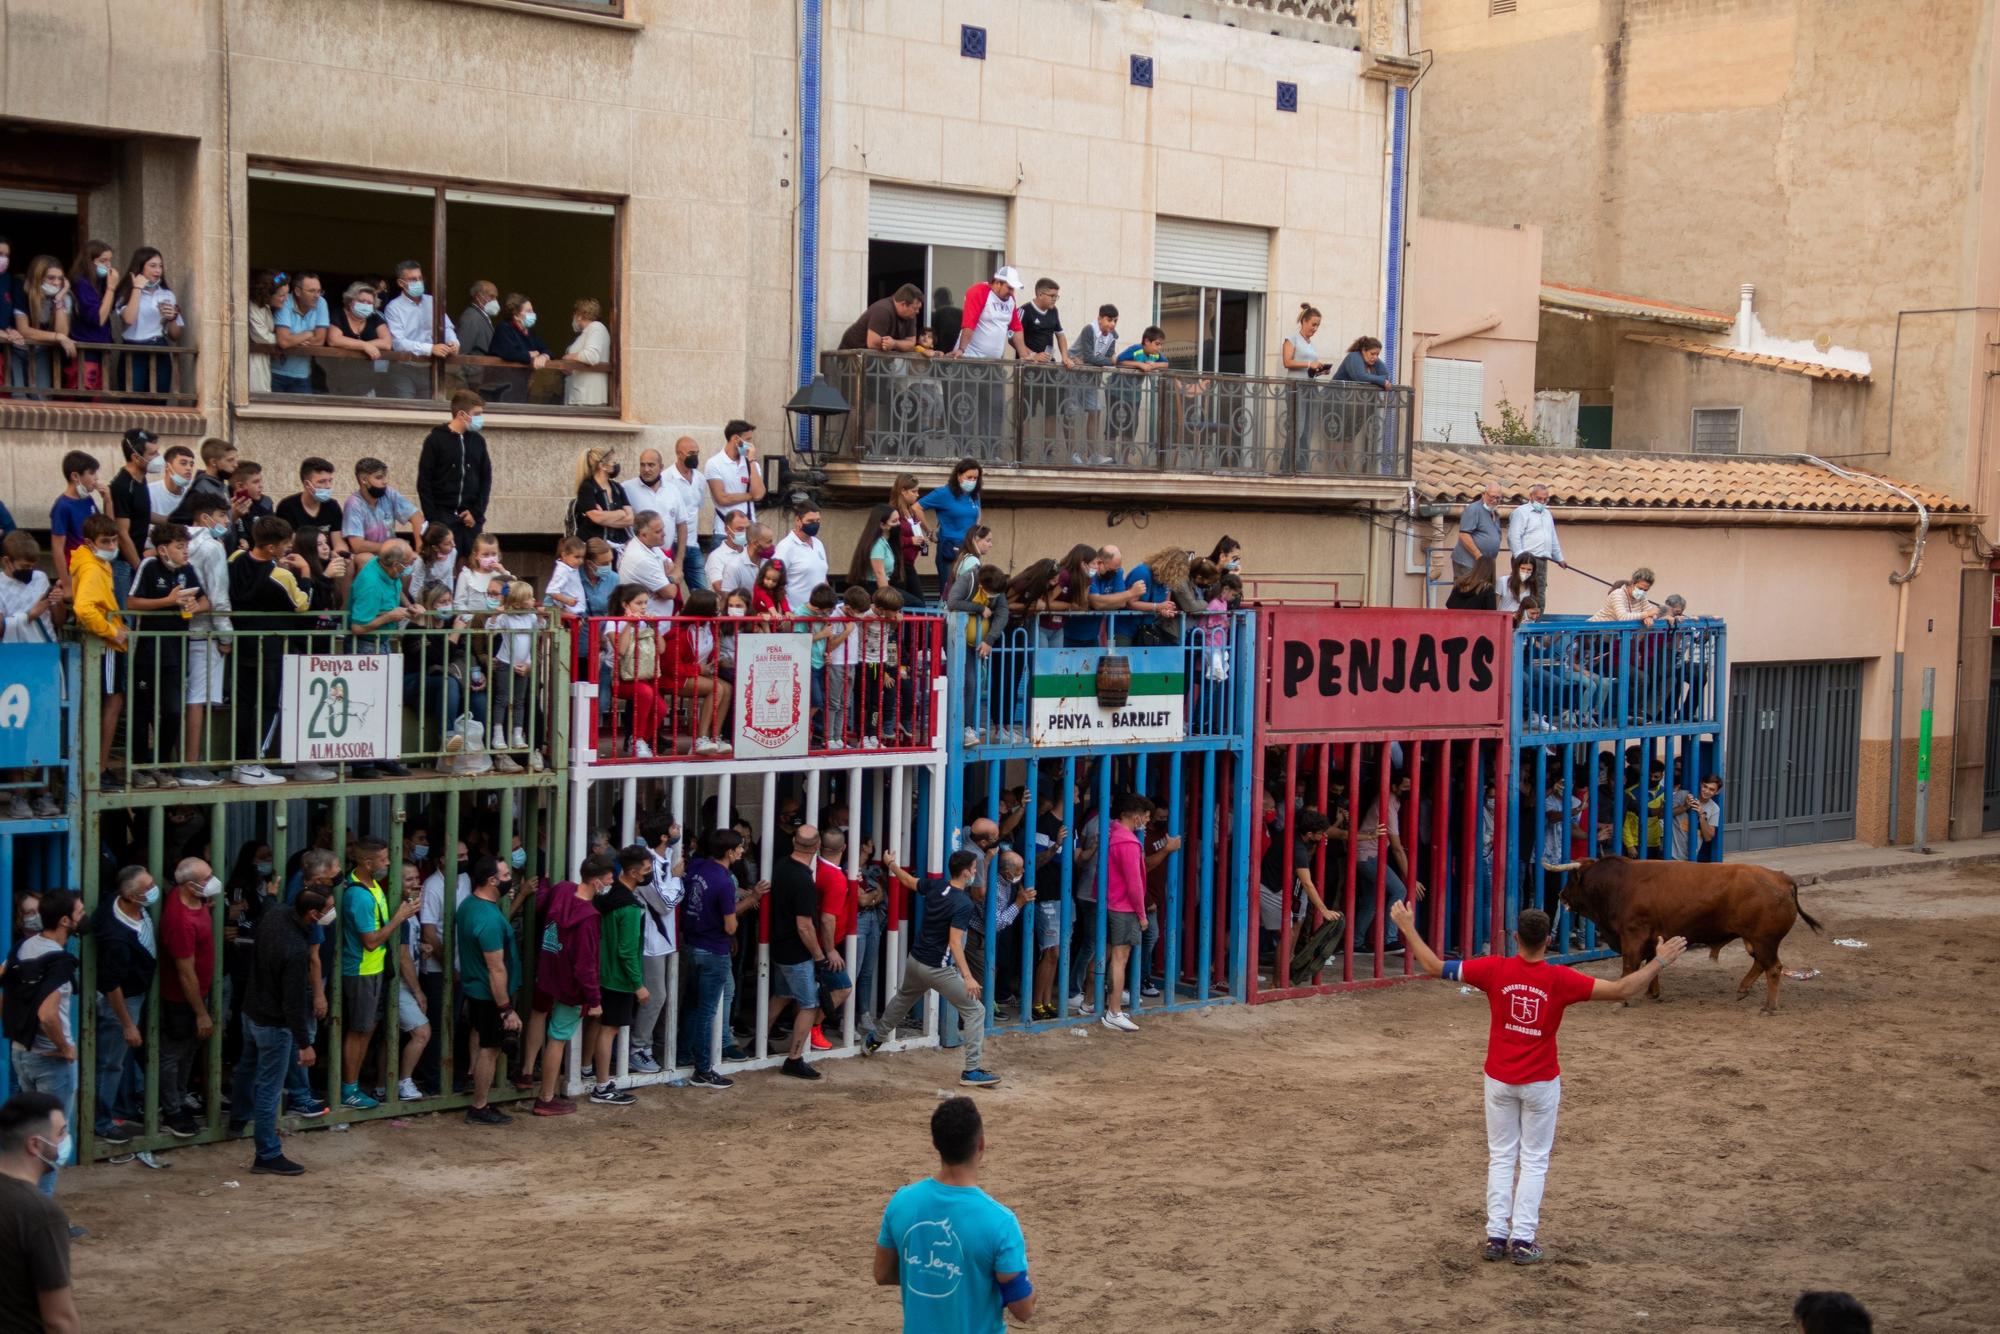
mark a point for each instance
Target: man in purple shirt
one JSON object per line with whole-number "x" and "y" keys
{"x": 709, "y": 910}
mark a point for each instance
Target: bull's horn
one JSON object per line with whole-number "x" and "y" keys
{"x": 1560, "y": 868}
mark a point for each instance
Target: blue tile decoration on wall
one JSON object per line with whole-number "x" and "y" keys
{"x": 971, "y": 42}
{"x": 1142, "y": 71}
{"x": 1288, "y": 96}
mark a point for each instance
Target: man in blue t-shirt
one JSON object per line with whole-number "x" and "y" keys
{"x": 946, "y": 914}
{"x": 956, "y": 1252}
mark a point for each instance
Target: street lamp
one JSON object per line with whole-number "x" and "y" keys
{"x": 818, "y": 416}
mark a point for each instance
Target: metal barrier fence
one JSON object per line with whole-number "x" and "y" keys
{"x": 336, "y": 708}
{"x": 863, "y": 733}
{"x": 344, "y": 376}
{"x": 1380, "y": 734}
{"x": 1613, "y": 723}
{"x": 118, "y": 374}
{"x": 938, "y": 409}
{"x": 1074, "y": 723}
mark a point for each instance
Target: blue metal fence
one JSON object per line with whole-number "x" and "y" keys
{"x": 1031, "y": 715}
{"x": 1615, "y": 725}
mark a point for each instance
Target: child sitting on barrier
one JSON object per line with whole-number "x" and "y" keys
{"x": 565, "y": 590}
{"x": 843, "y": 660}
{"x": 513, "y": 665}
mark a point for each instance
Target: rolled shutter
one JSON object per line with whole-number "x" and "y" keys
{"x": 936, "y": 217}
{"x": 1454, "y": 392}
{"x": 1211, "y": 254}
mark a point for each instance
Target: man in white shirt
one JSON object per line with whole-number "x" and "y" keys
{"x": 648, "y": 492}
{"x": 802, "y": 553}
{"x": 725, "y": 564}
{"x": 686, "y": 487}
{"x": 659, "y": 895}
{"x": 430, "y": 925}
{"x": 735, "y": 482}
{"x": 647, "y": 564}
{"x": 408, "y": 315}
{"x": 992, "y": 325}
{"x": 165, "y": 495}
{"x": 1531, "y": 531}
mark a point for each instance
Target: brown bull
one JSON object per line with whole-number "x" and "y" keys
{"x": 1634, "y": 903}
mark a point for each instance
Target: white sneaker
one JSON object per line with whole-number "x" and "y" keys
{"x": 313, "y": 773}
{"x": 971, "y": 736}
{"x": 1123, "y": 1021}
{"x": 46, "y": 807}
{"x": 535, "y": 762}
{"x": 199, "y": 777}
{"x": 408, "y": 1091}
{"x": 17, "y": 809}
{"x": 710, "y": 745}
{"x": 254, "y": 775}
{"x": 870, "y": 743}
{"x": 1110, "y": 1021}
{"x": 1079, "y": 1004}
{"x": 506, "y": 764}
{"x": 520, "y": 738}
{"x": 835, "y": 743}
{"x": 641, "y": 751}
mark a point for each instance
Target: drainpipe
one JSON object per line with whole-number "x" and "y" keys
{"x": 1399, "y": 129}
{"x": 1902, "y": 581}
{"x": 809, "y": 102}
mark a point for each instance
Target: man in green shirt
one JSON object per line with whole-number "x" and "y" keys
{"x": 376, "y": 608}
{"x": 620, "y": 969}
{"x": 367, "y": 927}
{"x": 489, "y": 968}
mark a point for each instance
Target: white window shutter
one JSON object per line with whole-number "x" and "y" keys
{"x": 1211, "y": 254}
{"x": 936, "y": 217}
{"x": 1453, "y": 392}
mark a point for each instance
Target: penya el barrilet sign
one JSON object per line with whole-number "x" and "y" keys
{"x": 1384, "y": 669}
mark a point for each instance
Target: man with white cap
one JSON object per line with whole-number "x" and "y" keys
{"x": 992, "y": 323}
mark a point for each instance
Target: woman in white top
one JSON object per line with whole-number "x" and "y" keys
{"x": 1517, "y": 585}
{"x": 593, "y": 348}
{"x": 148, "y": 315}
{"x": 268, "y": 293}
{"x": 1302, "y": 363}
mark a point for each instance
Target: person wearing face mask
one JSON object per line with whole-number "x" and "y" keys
{"x": 684, "y": 487}
{"x": 591, "y": 348}
{"x": 90, "y": 320}
{"x": 39, "y": 986}
{"x": 25, "y": 603}
{"x": 1531, "y": 532}
{"x": 647, "y": 563}
{"x": 603, "y": 507}
{"x": 187, "y": 931}
{"x": 566, "y": 974}
{"x": 358, "y": 328}
{"x": 96, "y": 606}
{"x": 411, "y": 315}
{"x": 454, "y": 471}
{"x": 278, "y": 1023}
{"x": 301, "y": 322}
{"x": 475, "y": 334}
{"x": 376, "y": 512}
{"x": 515, "y": 340}
{"x": 659, "y": 899}
{"x": 313, "y": 504}
{"x": 368, "y": 928}
{"x": 126, "y": 961}
{"x": 165, "y": 494}
{"x": 35, "y": 1292}
{"x": 801, "y": 551}
{"x": 725, "y": 566}
{"x": 489, "y": 968}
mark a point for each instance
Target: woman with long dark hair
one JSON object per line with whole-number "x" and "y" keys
{"x": 149, "y": 315}
{"x": 1474, "y": 589}
{"x": 956, "y": 505}
{"x": 912, "y": 539}
{"x": 873, "y": 565}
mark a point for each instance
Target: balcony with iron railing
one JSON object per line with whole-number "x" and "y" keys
{"x": 1145, "y": 431}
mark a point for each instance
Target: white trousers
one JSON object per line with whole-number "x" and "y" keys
{"x": 1520, "y": 1131}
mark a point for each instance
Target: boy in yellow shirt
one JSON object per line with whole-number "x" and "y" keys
{"x": 96, "y": 608}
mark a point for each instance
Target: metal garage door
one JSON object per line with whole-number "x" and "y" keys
{"x": 1794, "y": 742}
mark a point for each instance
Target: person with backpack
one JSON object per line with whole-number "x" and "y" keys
{"x": 36, "y": 1014}
{"x": 568, "y": 972}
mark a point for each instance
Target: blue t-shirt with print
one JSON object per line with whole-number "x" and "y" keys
{"x": 950, "y": 1241}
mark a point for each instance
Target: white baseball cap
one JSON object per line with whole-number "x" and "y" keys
{"x": 1007, "y": 274}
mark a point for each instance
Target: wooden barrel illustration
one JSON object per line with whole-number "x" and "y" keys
{"x": 1114, "y": 680}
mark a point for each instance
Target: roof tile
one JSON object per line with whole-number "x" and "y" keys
{"x": 1763, "y": 361}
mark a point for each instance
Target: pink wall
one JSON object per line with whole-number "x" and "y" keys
{"x": 1459, "y": 274}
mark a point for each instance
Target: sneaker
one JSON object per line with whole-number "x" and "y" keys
{"x": 870, "y": 743}
{"x": 709, "y": 1079}
{"x": 612, "y": 1096}
{"x": 819, "y": 1042}
{"x": 643, "y": 1063}
{"x": 506, "y": 764}
{"x": 310, "y": 1111}
{"x": 115, "y": 1135}
{"x": 1149, "y": 990}
{"x": 200, "y": 778}
{"x": 254, "y": 775}
{"x": 836, "y": 744}
{"x": 392, "y": 768}
{"x": 143, "y": 780}
{"x": 971, "y": 736}
{"x": 520, "y": 738}
{"x": 870, "y": 1044}
{"x": 796, "y": 1067}
{"x": 641, "y": 751}
{"x": 1079, "y": 1004}
{"x": 714, "y": 745}
{"x": 525, "y": 1080}
{"x": 1525, "y": 1253}
{"x": 180, "y": 1127}
{"x": 352, "y": 1096}
{"x": 979, "y": 1079}
{"x": 314, "y": 773}
{"x": 408, "y": 1091}
{"x": 589, "y": 1072}
{"x": 1110, "y": 1021}
{"x": 1495, "y": 1249}
{"x": 47, "y": 807}
{"x": 553, "y": 1107}
{"x": 237, "y": 1130}
{"x": 733, "y": 1051}
{"x": 17, "y": 808}
{"x": 1124, "y": 1022}
{"x": 536, "y": 763}
{"x": 487, "y": 1116}
{"x": 279, "y": 1166}
{"x": 120, "y": 1159}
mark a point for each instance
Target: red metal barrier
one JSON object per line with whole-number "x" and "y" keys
{"x": 874, "y": 691}
{"x": 1343, "y": 695}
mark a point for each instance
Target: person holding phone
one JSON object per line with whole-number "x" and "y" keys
{"x": 149, "y": 315}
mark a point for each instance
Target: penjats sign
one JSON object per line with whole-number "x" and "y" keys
{"x": 1385, "y": 669}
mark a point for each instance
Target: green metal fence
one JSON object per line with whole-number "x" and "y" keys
{"x": 441, "y": 772}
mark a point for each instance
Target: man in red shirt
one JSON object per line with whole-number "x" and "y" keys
{"x": 187, "y": 935}
{"x": 839, "y": 917}
{"x": 1527, "y": 996}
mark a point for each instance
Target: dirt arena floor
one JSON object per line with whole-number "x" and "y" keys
{"x": 1302, "y": 1166}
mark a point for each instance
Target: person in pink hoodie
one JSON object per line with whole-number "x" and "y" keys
{"x": 567, "y": 970}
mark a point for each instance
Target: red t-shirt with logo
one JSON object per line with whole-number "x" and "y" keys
{"x": 1527, "y": 1000}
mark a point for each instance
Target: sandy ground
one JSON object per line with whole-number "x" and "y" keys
{"x": 1306, "y": 1165}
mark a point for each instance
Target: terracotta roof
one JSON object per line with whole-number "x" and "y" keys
{"x": 1632, "y": 479}
{"x": 1719, "y": 353}
{"x": 1565, "y": 296}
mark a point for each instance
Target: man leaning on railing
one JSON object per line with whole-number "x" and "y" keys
{"x": 375, "y": 610}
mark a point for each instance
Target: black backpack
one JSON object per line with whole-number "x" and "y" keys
{"x": 29, "y": 983}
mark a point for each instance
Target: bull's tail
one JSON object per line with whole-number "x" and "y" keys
{"x": 1800, "y": 908}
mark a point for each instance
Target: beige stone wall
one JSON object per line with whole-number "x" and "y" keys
{"x": 1659, "y": 388}
{"x": 1829, "y": 152}
{"x": 1050, "y": 121}
{"x": 1460, "y": 275}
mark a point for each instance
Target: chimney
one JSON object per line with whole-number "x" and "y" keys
{"x": 1745, "y": 317}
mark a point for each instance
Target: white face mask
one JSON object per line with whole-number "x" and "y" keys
{"x": 327, "y": 918}
{"x": 490, "y": 309}
{"x": 735, "y": 611}
{"x": 210, "y": 888}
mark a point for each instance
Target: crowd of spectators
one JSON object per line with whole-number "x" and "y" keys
{"x": 74, "y": 330}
